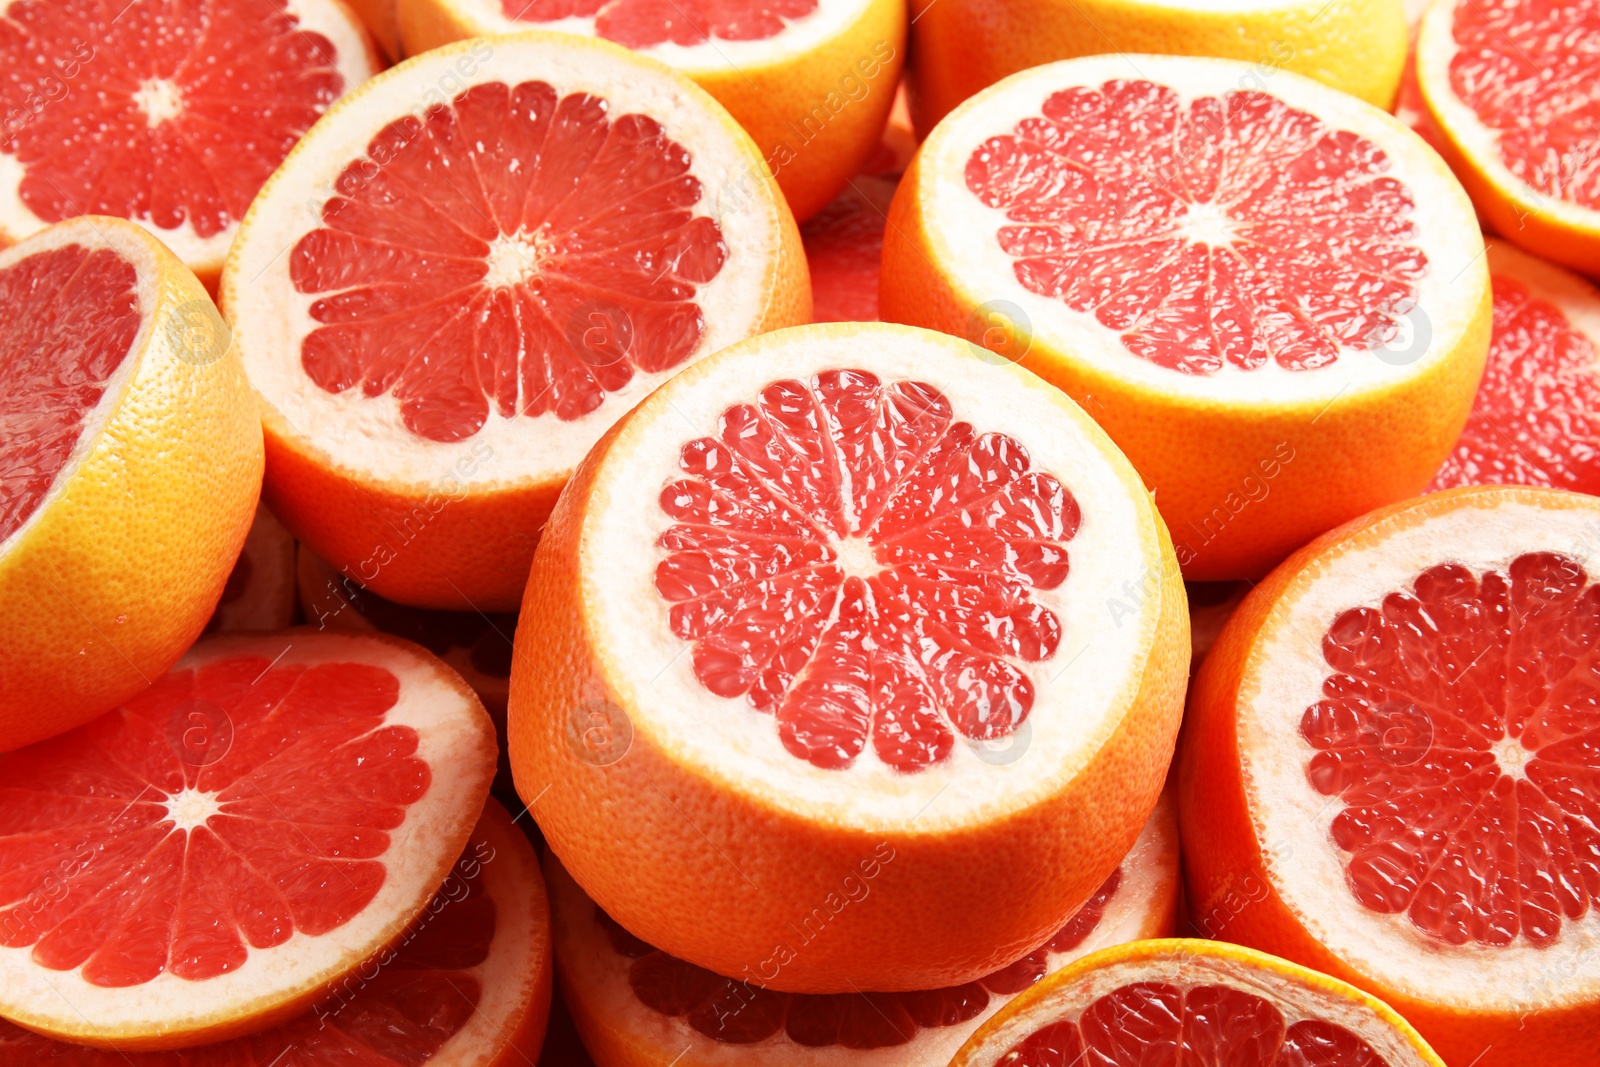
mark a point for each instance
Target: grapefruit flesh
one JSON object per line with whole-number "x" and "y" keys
{"x": 844, "y": 249}
{"x": 622, "y": 985}
{"x": 430, "y": 998}
{"x": 646, "y": 23}
{"x": 259, "y": 804}
{"x": 1536, "y": 417}
{"x": 1427, "y": 759}
{"x": 853, "y": 559}
{"x": 53, "y": 371}
{"x": 1242, "y": 230}
{"x": 1193, "y": 1002}
{"x": 561, "y": 296}
{"x": 171, "y": 116}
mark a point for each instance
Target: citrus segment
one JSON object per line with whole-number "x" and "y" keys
{"x": 207, "y": 856}
{"x": 469, "y": 983}
{"x": 1189, "y": 1001}
{"x": 1534, "y": 419}
{"x": 171, "y": 116}
{"x": 811, "y": 80}
{"x": 822, "y": 604}
{"x": 1236, "y": 277}
{"x": 260, "y": 593}
{"x": 1427, "y": 758}
{"x": 130, "y": 456}
{"x": 962, "y": 48}
{"x": 468, "y": 294}
{"x": 638, "y": 1004}
{"x": 844, "y": 250}
{"x": 1507, "y": 86}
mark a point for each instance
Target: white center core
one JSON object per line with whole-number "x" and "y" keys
{"x": 855, "y": 557}
{"x": 1207, "y": 224}
{"x": 159, "y": 99}
{"x": 512, "y": 260}
{"x": 188, "y": 808}
{"x": 1512, "y": 757}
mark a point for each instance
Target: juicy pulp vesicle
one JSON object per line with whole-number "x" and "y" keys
{"x": 646, "y": 23}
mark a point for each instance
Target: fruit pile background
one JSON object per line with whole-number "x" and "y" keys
{"x": 481, "y": 353}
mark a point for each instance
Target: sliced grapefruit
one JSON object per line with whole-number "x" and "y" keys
{"x": 1211, "y": 605}
{"x": 475, "y": 644}
{"x": 260, "y": 591}
{"x": 811, "y": 80}
{"x": 1510, "y": 87}
{"x": 960, "y": 47}
{"x": 468, "y": 985}
{"x": 171, "y": 115}
{"x": 435, "y": 354}
{"x": 1183, "y": 1001}
{"x": 1274, "y": 300}
{"x": 209, "y": 857}
{"x": 1536, "y": 417}
{"x": 1395, "y": 742}
{"x": 636, "y": 1005}
{"x": 831, "y": 606}
{"x": 130, "y": 461}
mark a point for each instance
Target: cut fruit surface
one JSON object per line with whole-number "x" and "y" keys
{"x": 1410, "y": 700}
{"x": 130, "y": 462}
{"x": 476, "y": 645}
{"x": 962, "y": 48}
{"x": 545, "y": 297}
{"x": 1194, "y": 1002}
{"x": 1235, "y": 282}
{"x": 260, "y": 591}
{"x": 635, "y": 1004}
{"x": 208, "y": 857}
{"x": 169, "y": 115}
{"x": 468, "y": 985}
{"x": 827, "y": 597}
{"x": 1509, "y": 87}
{"x": 811, "y": 80}
{"x": 1536, "y": 417}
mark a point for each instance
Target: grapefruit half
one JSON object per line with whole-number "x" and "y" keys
{"x": 435, "y": 354}
{"x": 260, "y": 591}
{"x": 829, "y": 608}
{"x": 636, "y": 1005}
{"x": 208, "y": 858}
{"x": 1187, "y": 1001}
{"x": 467, "y": 985}
{"x": 171, "y": 115}
{"x": 961, "y": 47}
{"x": 1394, "y": 743}
{"x": 130, "y": 462}
{"x": 811, "y": 80}
{"x": 1536, "y": 416}
{"x": 1272, "y": 296}
{"x": 1509, "y": 87}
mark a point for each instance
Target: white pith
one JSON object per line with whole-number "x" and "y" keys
{"x": 1574, "y": 297}
{"x": 190, "y": 808}
{"x": 92, "y": 235}
{"x": 352, "y": 58}
{"x": 1296, "y": 1000}
{"x": 1292, "y": 820}
{"x": 160, "y": 99}
{"x": 455, "y": 738}
{"x": 1078, "y": 690}
{"x": 596, "y": 975}
{"x": 799, "y": 36}
{"x": 517, "y": 954}
{"x": 963, "y": 244}
{"x": 270, "y": 318}
{"x": 1436, "y": 48}
{"x": 268, "y": 599}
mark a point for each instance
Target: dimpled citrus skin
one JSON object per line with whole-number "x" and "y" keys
{"x": 1325, "y": 463}
{"x": 124, "y": 563}
{"x": 963, "y": 46}
{"x": 1222, "y": 851}
{"x": 600, "y": 819}
{"x": 851, "y": 78}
